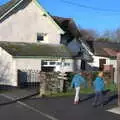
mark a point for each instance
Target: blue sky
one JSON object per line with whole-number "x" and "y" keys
{"x": 86, "y": 17}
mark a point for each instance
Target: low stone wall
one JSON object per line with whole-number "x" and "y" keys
{"x": 49, "y": 82}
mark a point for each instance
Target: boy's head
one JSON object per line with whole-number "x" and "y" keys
{"x": 100, "y": 74}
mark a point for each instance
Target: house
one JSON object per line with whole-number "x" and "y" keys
{"x": 27, "y": 21}
{"x": 72, "y": 39}
{"x": 104, "y": 54}
{"x": 30, "y": 39}
{"x": 34, "y": 57}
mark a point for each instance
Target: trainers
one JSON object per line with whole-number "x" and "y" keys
{"x": 77, "y": 102}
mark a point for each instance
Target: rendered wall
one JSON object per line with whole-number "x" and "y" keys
{"x": 24, "y": 25}
{"x": 8, "y": 72}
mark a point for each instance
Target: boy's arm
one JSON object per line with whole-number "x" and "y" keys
{"x": 84, "y": 82}
{"x": 72, "y": 83}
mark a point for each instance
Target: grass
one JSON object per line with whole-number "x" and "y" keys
{"x": 71, "y": 92}
{"x": 111, "y": 87}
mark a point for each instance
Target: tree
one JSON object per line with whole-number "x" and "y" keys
{"x": 88, "y": 34}
{"x": 111, "y": 35}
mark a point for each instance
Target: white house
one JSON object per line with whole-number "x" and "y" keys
{"x": 103, "y": 53}
{"x": 30, "y": 39}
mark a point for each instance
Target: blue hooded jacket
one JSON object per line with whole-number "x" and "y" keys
{"x": 77, "y": 80}
{"x": 98, "y": 84}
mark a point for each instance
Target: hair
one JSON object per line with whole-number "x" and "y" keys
{"x": 100, "y": 74}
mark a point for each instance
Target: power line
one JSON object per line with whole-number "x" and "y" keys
{"x": 90, "y": 7}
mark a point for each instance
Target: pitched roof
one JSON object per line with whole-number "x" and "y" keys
{"x": 4, "y": 8}
{"x": 7, "y": 10}
{"x": 18, "y": 49}
{"x": 13, "y": 6}
{"x": 68, "y": 25}
{"x": 110, "y": 52}
{"x": 105, "y": 49}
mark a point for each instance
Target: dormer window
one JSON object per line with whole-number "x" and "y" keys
{"x": 40, "y": 36}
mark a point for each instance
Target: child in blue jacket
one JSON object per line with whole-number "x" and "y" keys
{"x": 76, "y": 82}
{"x": 98, "y": 85}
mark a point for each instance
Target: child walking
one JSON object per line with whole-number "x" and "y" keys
{"x": 98, "y": 88}
{"x": 77, "y": 80}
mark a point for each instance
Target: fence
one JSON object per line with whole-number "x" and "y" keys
{"x": 28, "y": 78}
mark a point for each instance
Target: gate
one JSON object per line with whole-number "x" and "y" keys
{"x": 28, "y": 78}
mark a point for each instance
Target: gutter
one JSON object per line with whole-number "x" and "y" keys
{"x": 37, "y": 57}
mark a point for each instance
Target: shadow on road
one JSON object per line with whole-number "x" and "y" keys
{"x": 110, "y": 99}
{"x": 90, "y": 96}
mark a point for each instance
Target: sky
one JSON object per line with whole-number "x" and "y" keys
{"x": 99, "y": 15}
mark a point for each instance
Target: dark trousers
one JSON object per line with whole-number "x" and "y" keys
{"x": 98, "y": 100}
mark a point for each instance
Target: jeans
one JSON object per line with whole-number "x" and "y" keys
{"x": 98, "y": 100}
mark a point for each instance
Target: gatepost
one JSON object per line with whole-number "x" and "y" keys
{"x": 42, "y": 83}
{"x": 62, "y": 77}
{"x": 118, "y": 77}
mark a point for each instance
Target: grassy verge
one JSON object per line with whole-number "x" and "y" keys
{"x": 111, "y": 87}
{"x": 70, "y": 92}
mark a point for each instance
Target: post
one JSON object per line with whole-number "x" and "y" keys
{"x": 42, "y": 83}
{"x": 62, "y": 77}
{"x": 118, "y": 77}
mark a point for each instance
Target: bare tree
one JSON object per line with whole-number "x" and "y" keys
{"x": 111, "y": 35}
{"x": 88, "y": 34}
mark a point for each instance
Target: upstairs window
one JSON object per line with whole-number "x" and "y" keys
{"x": 40, "y": 36}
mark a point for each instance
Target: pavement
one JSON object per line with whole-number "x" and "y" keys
{"x": 55, "y": 108}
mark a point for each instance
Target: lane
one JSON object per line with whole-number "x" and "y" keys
{"x": 63, "y": 109}
{"x": 17, "y": 112}
{"x": 57, "y": 108}
{"x": 30, "y": 108}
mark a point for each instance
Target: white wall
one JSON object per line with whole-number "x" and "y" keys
{"x": 95, "y": 62}
{"x": 8, "y": 73}
{"x": 24, "y": 25}
{"x": 67, "y": 68}
{"x": 61, "y": 67}
{"x": 28, "y": 63}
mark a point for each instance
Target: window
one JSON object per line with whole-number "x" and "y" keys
{"x": 66, "y": 64}
{"x": 40, "y": 36}
{"x": 44, "y": 63}
{"x": 59, "y": 63}
{"x": 52, "y": 63}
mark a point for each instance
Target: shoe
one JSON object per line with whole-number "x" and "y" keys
{"x": 77, "y": 102}
{"x": 80, "y": 100}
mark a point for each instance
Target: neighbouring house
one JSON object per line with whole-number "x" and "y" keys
{"x": 104, "y": 54}
{"x": 30, "y": 39}
{"x": 72, "y": 39}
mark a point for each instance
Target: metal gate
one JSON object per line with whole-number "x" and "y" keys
{"x": 28, "y": 78}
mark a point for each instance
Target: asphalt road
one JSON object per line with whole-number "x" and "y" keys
{"x": 59, "y": 108}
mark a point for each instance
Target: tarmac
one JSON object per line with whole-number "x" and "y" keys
{"x": 25, "y": 107}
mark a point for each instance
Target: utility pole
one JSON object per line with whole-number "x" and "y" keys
{"x": 118, "y": 77}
